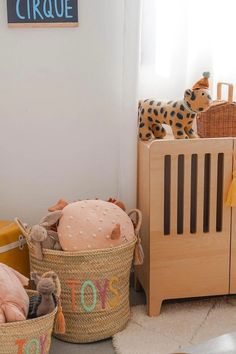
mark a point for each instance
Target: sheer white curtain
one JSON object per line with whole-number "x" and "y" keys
{"x": 182, "y": 38}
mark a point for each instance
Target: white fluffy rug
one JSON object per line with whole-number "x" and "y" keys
{"x": 179, "y": 325}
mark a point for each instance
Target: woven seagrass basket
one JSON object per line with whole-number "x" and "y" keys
{"x": 220, "y": 119}
{"x": 95, "y": 288}
{"x": 30, "y": 336}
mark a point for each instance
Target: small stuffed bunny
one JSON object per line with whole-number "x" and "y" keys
{"x": 46, "y": 287}
{"x": 40, "y": 235}
{"x": 42, "y": 232}
{"x": 14, "y": 301}
{"x": 49, "y": 289}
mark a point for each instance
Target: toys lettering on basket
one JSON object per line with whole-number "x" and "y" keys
{"x": 104, "y": 293}
{"x": 178, "y": 114}
{"x": 39, "y": 345}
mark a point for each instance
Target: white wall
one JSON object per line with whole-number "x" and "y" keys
{"x": 66, "y": 98}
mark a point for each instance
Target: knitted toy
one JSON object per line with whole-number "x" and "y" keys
{"x": 178, "y": 114}
{"x": 62, "y": 203}
{"x": 49, "y": 289}
{"x": 97, "y": 240}
{"x": 46, "y": 301}
{"x": 85, "y": 225}
{"x": 14, "y": 301}
{"x": 40, "y": 235}
{"x": 93, "y": 224}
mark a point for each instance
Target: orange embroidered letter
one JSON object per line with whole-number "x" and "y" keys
{"x": 72, "y": 284}
{"x": 20, "y": 343}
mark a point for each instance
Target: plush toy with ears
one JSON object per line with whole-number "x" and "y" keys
{"x": 49, "y": 289}
{"x": 179, "y": 114}
{"x": 40, "y": 235}
{"x": 46, "y": 288}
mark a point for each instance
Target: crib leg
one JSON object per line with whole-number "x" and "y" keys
{"x": 154, "y": 306}
{"x": 137, "y": 285}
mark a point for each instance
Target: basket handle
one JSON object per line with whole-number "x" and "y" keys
{"x": 35, "y": 248}
{"x": 138, "y": 251}
{"x": 230, "y": 91}
{"x": 139, "y": 220}
{"x": 23, "y": 229}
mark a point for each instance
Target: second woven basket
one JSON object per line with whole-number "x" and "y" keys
{"x": 30, "y": 336}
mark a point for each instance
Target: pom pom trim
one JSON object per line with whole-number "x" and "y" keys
{"x": 206, "y": 74}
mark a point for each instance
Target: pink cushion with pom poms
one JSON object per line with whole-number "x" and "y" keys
{"x": 88, "y": 224}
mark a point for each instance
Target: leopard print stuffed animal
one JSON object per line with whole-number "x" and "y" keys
{"x": 178, "y": 114}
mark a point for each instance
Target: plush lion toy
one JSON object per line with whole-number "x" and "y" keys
{"x": 178, "y": 114}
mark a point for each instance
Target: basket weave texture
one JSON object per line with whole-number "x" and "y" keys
{"x": 95, "y": 290}
{"x": 220, "y": 119}
{"x": 30, "y": 336}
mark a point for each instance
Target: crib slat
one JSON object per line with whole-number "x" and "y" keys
{"x": 173, "y": 195}
{"x": 213, "y": 192}
{"x": 200, "y": 193}
{"x": 187, "y": 193}
{"x": 157, "y": 195}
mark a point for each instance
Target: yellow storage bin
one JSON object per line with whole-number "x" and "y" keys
{"x": 13, "y": 248}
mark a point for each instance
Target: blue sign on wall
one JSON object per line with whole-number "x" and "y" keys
{"x": 42, "y": 13}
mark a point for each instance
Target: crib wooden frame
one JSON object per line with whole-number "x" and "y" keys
{"x": 188, "y": 233}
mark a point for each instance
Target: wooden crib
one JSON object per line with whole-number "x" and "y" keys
{"x": 188, "y": 233}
